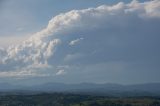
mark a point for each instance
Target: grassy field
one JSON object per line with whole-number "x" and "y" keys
{"x": 60, "y": 99}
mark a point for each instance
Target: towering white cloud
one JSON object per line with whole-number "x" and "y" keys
{"x": 38, "y": 51}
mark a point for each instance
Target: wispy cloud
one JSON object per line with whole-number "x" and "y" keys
{"x": 60, "y": 72}
{"x": 74, "y": 42}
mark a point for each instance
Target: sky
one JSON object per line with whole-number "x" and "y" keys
{"x": 75, "y": 41}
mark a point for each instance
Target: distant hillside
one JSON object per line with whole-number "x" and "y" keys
{"x": 150, "y": 89}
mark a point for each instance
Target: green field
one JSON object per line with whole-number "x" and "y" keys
{"x": 60, "y": 99}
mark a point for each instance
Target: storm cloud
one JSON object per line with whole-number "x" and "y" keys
{"x": 107, "y": 38}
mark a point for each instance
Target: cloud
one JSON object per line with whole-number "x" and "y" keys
{"x": 74, "y": 42}
{"x": 60, "y": 72}
{"x": 124, "y": 32}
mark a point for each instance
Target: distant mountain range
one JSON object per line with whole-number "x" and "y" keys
{"x": 108, "y": 89}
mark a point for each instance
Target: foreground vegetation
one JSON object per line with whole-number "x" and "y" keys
{"x": 59, "y": 99}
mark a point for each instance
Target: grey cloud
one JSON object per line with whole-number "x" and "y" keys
{"x": 122, "y": 32}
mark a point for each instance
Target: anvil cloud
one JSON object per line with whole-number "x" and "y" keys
{"x": 121, "y": 32}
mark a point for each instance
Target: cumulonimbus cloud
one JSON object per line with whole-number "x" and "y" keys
{"x": 41, "y": 46}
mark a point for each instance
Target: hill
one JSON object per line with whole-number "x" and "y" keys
{"x": 108, "y": 89}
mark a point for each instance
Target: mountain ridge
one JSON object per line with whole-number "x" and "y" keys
{"x": 109, "y": 89}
